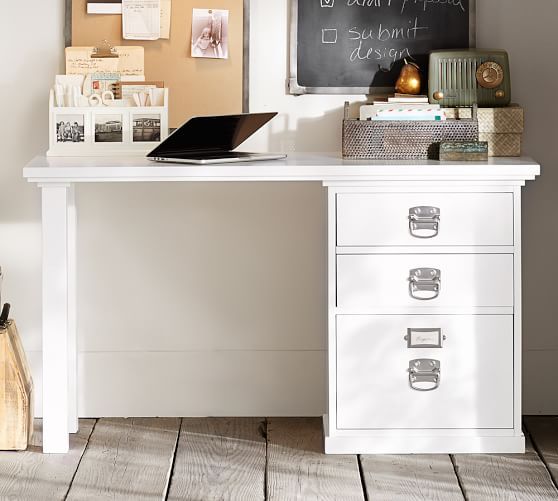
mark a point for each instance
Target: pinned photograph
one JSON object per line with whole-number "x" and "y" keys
{"x": 146, "y": 128}
{"x": 210, "y": 28}
{"x": 70, "y": 129}
{"x": 108, "y": 128}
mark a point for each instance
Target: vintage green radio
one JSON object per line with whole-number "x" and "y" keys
{"x": 469, "y": 76}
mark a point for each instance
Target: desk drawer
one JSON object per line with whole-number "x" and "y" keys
{"x": 472, "y": 389}
{"x": 370, "y": 282}
{"x": 387, "y": 219}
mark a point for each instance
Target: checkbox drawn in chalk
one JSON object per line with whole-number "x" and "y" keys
{"x": 327, "y": 3}
{"x": 329, "y": 35}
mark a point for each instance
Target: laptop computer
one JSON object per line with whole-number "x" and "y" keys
{"x": 212, "y": 140}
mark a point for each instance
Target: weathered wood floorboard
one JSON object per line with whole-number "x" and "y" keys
{"x": 299, "y": 469}
{"x": 505, "y": 476}
{"x": 410, "y": 478}
{"x": 127, "y": 459}
{"x": 225, "y": 459}
{"x": 220, "y": 459}
{"x": 32, "y": 475}
{"x": 544, "y": 433}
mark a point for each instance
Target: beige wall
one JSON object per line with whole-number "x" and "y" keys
{"x": 210, "y": 299}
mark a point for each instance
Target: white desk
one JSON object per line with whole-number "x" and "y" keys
{"x": 57, "y": 176}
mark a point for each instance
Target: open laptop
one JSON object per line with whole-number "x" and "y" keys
{"x": 212, "y": 140}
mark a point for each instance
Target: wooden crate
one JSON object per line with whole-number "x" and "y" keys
{"x": 16, "y": 391}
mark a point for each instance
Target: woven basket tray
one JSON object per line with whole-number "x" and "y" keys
{"x": 403, "y": 140}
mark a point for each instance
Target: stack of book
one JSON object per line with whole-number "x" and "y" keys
{"x": 402, "y": 107}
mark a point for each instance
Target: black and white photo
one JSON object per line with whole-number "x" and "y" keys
{"x": 108, "y": 128}
{"x": 210, "y": 28}
{"x": 146, "y": 128}
{"x": 70, "y": 129}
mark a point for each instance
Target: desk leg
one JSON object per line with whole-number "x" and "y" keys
{"x": 73, "y": 423}
{"x": 55, "y": 204}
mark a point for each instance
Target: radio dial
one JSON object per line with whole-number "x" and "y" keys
{"x": 490, "y": 75}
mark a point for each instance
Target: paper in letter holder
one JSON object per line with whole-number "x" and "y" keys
{"x": 81, "y": 61}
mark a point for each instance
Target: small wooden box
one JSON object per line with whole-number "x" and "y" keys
{"x": 502, "y": 128}
{"x": 16, "y": 391}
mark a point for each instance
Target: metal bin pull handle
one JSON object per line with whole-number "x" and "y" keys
{"x": 425, "y": 283}
{"x": 424, "y": 221}
{"x": 424, "y": 374}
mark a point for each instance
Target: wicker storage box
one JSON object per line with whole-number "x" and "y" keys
{"x": 402, "y": 140}
{"x": 16, "y": 391}
{"x": 502, "y": 128}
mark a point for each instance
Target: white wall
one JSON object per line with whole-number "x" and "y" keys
{"x": 31, "y": 35}
{"x": 528, "y": 30}
{"x": 210, "y": 299}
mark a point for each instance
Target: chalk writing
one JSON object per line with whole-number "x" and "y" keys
{"x": 379, "y": 53}
{"x": 368, "y": 3}
{"x": 426, "y": 3}
{"x": 383, "y": 33}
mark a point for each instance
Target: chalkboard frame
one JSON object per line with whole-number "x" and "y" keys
{"x": 298, "y": 90}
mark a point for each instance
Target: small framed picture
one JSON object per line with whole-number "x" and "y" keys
{"x": 146, "y": 128}
{"x": 108, "y": 128}
{"x": 210, "y": 28}
{"x": 70, "y": 129}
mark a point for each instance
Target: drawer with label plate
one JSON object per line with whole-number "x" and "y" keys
{"x": 424, "y": 371}
{"x": 371, "y": 282}
{"x": 416, "y": 219}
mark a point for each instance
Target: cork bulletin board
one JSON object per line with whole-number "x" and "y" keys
{"x": 196, "y": 86}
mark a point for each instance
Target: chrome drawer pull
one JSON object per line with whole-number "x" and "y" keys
{"x": 425, "y": 283}
{"x": 424, "y": 222}
{"x": 424, "y": 374}
{"x": 424, "y": 338}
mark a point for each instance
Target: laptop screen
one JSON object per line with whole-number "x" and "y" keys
{"x": 212, "y": 134}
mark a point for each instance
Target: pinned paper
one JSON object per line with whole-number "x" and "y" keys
{"x": 130, "y": 61}
{"x": 210, "y": 28}
{"x": 166, "y": 8}
{"x": 104, "y": 6}
{"x": 141, "y": 19}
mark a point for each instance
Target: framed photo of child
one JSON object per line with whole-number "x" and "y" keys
{"x": 210, "y": 28}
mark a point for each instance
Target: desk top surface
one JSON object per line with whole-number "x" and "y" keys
{"x": 324, "y": 167}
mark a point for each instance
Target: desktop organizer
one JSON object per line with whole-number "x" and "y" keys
{"x": 106, "y": 130}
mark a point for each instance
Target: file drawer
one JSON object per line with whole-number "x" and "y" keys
{"x": 415, "y": 219}
{"x": 467, "y": 383}
{"x": 370, "y": 282}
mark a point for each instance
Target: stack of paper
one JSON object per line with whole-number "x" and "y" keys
{"x": 391, "y": 111}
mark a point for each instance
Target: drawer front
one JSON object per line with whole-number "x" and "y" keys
{"x": 369, "y": 282}
{"x": 383, "y": 219}
{"x": 475, "y": 385}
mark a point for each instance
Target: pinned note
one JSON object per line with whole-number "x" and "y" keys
{"x": 141, "y": 19}
{"x": 166, "y": 8}
{"x": 130, "y": 61}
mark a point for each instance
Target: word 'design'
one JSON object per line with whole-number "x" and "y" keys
{"x": 353, "y": 45}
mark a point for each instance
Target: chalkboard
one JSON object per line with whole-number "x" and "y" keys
{"x": 358, "y": 46}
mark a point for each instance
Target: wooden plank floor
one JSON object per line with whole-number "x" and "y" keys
{"x": 257, "y": 458}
